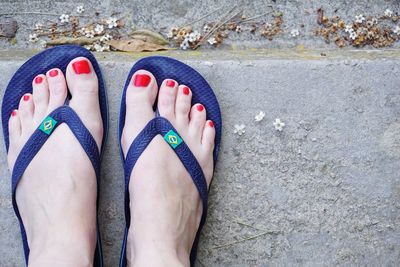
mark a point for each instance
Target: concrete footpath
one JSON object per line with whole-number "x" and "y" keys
{"x": 323, "y": 192}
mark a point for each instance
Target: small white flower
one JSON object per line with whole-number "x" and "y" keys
{"x": 278, "y": 124}
{"x": 99, "y": 29}
{"x": 360, "y": 18}
{"x": 268, "y": 25}
{"x": 212, "y": 41}
{"x": 80, "y": 9}
{"x": 349, "y": 28}
{"x": 239, "y": 129}
{"x": 353, "y": 35}
{"x": 185, "y": 44}
{"x": 38, "y": 26}
{"x": 97, "y": 47}
{"x": 64, "y": 18}
{"x": 43, "y": 43}
{"x": 370, "y": 23}
{"x": 105, "y": 38}
{"x": 170, "y": 34}
{"x": 206, "y": 28}
{"x": 89, "y": 33}
{"x": 238, "y": 29}
{"x": 259, "y": 116}
{"x": 294, "y": 32}
{"x": 112, "y": 22}
{"x": 397, "y": 30}
{"x": 33, "y": 38}
{"x": 388, "y": 13}
{"x": 193, "y": 36}
{"x": 374, "y": 20}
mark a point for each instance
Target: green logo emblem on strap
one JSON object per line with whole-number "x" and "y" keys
{"x": 48, "y": 125}
{"x": 173, "y": 139}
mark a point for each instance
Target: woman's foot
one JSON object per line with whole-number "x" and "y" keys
{"x": 56, "y": 196}
{"x": 165, "y": 204}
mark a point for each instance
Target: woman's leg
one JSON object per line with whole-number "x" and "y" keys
{"x": 165, "y": 204}
{"x": 57, "y": 193}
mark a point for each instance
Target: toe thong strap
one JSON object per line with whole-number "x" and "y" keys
{"x": 162, "y": 126}
{"x": 63, "y": 114}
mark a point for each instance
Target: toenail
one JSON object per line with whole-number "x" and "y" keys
{"x": 81, "y": 66}
{"x": 53, "y": 73}
{"x": 211, "y": 123}
{"x": 26, "y": 97}
{"x": 38, "y": 80}
{"x": 186, "y": 90}
{"x": 200, "y": 107}
{"x": 141, "y": 80}
{"x": 14, "y": 113}
{"x": 170, "y": 83}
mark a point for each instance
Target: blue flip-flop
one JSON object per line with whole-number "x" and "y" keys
{"x": 20, "y": 84}
{"x": 167, "y": 68}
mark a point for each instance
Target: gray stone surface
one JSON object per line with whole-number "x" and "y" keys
{"x": 162, "y": 15}
{"x": 323, "y": 192}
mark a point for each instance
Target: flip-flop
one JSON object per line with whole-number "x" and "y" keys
{"x": 163, "y": 68}
{"x": 20, "y": 84}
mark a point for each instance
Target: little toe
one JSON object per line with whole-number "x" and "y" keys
{"x": 25, "y": 111}
{"x": 197, "y": 120}
{"x": 183, "y": 105}
{"x": 167, "y": 98}
{"x": 57, "y": 89}
{"x": 208, "y": 138}
{"x": 14, "y": 127}
{"x": 40, "y": 96}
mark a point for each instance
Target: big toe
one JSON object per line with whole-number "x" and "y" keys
{"x": 140, "y": 97}
{"x": 83, "y": 85}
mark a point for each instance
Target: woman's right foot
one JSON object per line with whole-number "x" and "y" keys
{"x": 165, "y": 204}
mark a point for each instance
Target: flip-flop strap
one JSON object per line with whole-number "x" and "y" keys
{"x": 161, "y": 126}
{"x": 63, "y": 114}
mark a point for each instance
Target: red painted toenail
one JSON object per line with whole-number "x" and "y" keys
{"x": 211, "y": 123}
{"x": 170, "y": 83}
{"x": 81, "y": 66}
{"x": 38, "y": 80}
{"x": 53, "y": 73}
{"x": 200, "y": 107}
{"x": 186, "y": 90}
{"x": 14, "y": 113}
{"x": 26, "y": 97}
{"x": 141, "y": 80}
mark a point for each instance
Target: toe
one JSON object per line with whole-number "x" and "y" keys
{"x": 14, "y": 127}
{"x": 57, "y": 89}
{"x": 40, "y": 96}
{"x": 26, "y": 109}
{"x": 197, "y": 120}
{"x": 140, "y": 97}
{"x": 83, "y": 85}
{"x": 207, "y": 140}
{"x": 167, "y": 98}
{"x": 182, "y": 105}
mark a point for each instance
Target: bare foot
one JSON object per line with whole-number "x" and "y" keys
{"x": 165, "y": 204}
{"x": 56, "y": 196}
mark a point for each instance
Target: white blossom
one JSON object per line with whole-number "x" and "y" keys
{"x": 238, "y": 29}
{"x": 89, "y": 33}
{"x": 397, "y": 30}
{"x": 374, "y": 20}
{"x": 64, "y": 18}
{"x": 388, "y": 13}
{"x": 193, "y": 36}
{"x": 353, "y": 35}
{"x": 80, "y": 9}
{"x": 294, "y": 32}
{"x": 278, "y": 124}
{"x": 239, "y": 129}
{"x": 206, "y": 28}
{"x": 99, "y": 29}
{"x": 170, "y": 34}
{"x": 98, "y": 47}
{"x": 112, "y": 22}
{"x": 38, "y": 26}
{"x": 212, "y": 41}
{"x": 359, "y": 18}
{"x": 105, "y": 38}
{"x": 259, "y": 116}
{"x": 185, "y": 44}
{"x": 33, "y": 38}
{"x": 349, "y": 28}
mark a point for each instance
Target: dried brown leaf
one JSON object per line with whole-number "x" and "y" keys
{"x": 136, "y": 45}
{"x": 149, "y": 36}
{"x": 71, "y": 40}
